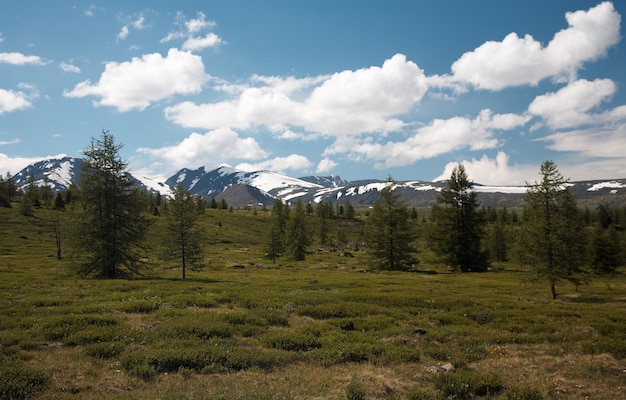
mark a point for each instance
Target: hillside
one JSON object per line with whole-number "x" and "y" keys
{"x": 241, "y": 188}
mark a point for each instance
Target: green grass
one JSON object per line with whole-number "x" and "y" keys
{"x": 322, "y": 328}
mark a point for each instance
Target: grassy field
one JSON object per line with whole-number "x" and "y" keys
{"x": 325, "y": 328}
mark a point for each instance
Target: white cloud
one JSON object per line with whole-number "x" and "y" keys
{"x": 91, "y": 10}
{"x": 495, "y": 172}
{"x": 217, "y": 145}
{"x": 190, "y": 29}
{"x": 16, "y": 164}
{"x": 294, "y": 162}
{"x": 524, "y": 61}
{"x": 346, "y": 103}
{"x": 137, "y": 83}
{"x": 605, "y": 141}
{"x": 124, "y": 32}
{"x": 14, "y": 141}
{"x": 67, "y": 67}
{"x": 13, "y": 101}
{"x": 439, "y": 137}
{"x": 1, "y": 38}
{"x": 325, "y": 165}
{"x": 136, "y": 22}
{"x": 199, "y": 43}
{"x": 570, "y": 106}
{"x": 21, "y": 59}
{"x": 198, "y": 24}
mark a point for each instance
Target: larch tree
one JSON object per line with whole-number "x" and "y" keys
{"x": 184, "y": 234}
{"x": 297, "y": 232}
{"x": 388, "y": 236}
{"x": 554, "y": 236}
{"x": 111, "y": 227}
{"x": 458, "y": 227}
{"x": 275, "y": 239}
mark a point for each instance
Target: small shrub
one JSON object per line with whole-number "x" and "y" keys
{"x": 291, "y": 341}
{"x": 136, "y": 364}
{"x": 104, "y": 349}
{"x": 466, "y": 385}
{"x": 355, "y": 391}
{"x": 17, "y": 382}
{"x": 523, "y": 394}
{"x": 185, "y": 373}
{"x": 420, "y": 394}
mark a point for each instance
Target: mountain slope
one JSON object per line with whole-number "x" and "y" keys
{"x": 240, "y": 188}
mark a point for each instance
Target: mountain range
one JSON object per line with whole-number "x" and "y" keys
{"x": 240, "y": 188}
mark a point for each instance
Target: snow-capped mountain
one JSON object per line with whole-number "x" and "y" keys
{"x": 240, "y": 188}
{"x": 57, "y": 173}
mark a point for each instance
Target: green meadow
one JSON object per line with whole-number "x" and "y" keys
{"x": 324, "y": 328}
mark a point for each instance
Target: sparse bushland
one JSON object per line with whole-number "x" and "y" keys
{"x": 326, "y": 327}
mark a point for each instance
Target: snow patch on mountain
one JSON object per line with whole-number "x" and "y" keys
{"x": 606, "y": 185}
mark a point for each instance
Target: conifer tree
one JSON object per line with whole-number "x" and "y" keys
{"x": 274, "y": 245}
{"x": 111, "y": 227}
{"x": 458, "y": 225}
{"x": 554, "y": 238}
{"x": 297, "y": 233}
{"x": 184, "y": 235}
{"x": 388, "y": 235}
{"x": 59, "y": 204}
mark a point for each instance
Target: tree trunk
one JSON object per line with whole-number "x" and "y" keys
{"x": 553, "y": 290}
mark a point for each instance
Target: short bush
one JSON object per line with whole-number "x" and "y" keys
{"x": 523, "y": 394}
{"x": 464, "y": 384}
{"x": 104, "y": 349}
{"x": 421, "y": 394}
{"x": 355, "y": 391}
{"x": 17, "y": 382}
{"x": 288, "y": 341}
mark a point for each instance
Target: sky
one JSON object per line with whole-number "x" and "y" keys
{"x": 360, "y": 89}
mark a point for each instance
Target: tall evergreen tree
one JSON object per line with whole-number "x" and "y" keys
{"x": 458, "y": 224}
{"x": 275, "y": 240}
{"x": 388, "y": 235}
{"x": 297, "y": 233}
{"x": 184, "y": 235}
{"x": 112, "y": 226}
{"x": 606, "y": 250}
{"x": 554, "y": 237}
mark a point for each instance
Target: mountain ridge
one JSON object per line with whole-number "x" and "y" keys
{"x": 242, "y": 188}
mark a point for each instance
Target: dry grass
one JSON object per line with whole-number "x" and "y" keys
{"x": 499, "y": 324}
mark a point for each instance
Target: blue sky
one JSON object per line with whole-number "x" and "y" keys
{"x": 360, "y": 89}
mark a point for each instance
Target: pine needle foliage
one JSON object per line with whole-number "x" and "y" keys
{"x": 389, "y": 237}
{"x": 111, "y": 227}
{"x": 458, "y": 225}
{"x": 184, "y": 235}
{"x": 554, "y": 234}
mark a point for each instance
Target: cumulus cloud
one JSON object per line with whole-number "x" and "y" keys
{"x": 439, "y": 137}
{"x": 12, "y": 101}
{"x": 190, "y": 30}
{"x": 593, "y": 142}
{"x": 569, "y": 107}
{"x": 325, "y": 166}
{"x": 21, "y": 59}
{"x": 346, "y": 103}
{"x": 294, "y": 162}
{"x": 496, "y": 171}
{"x": 197, "y": 149}
{"x": 137, "y": 83}
{"x": 516, "y": 61}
